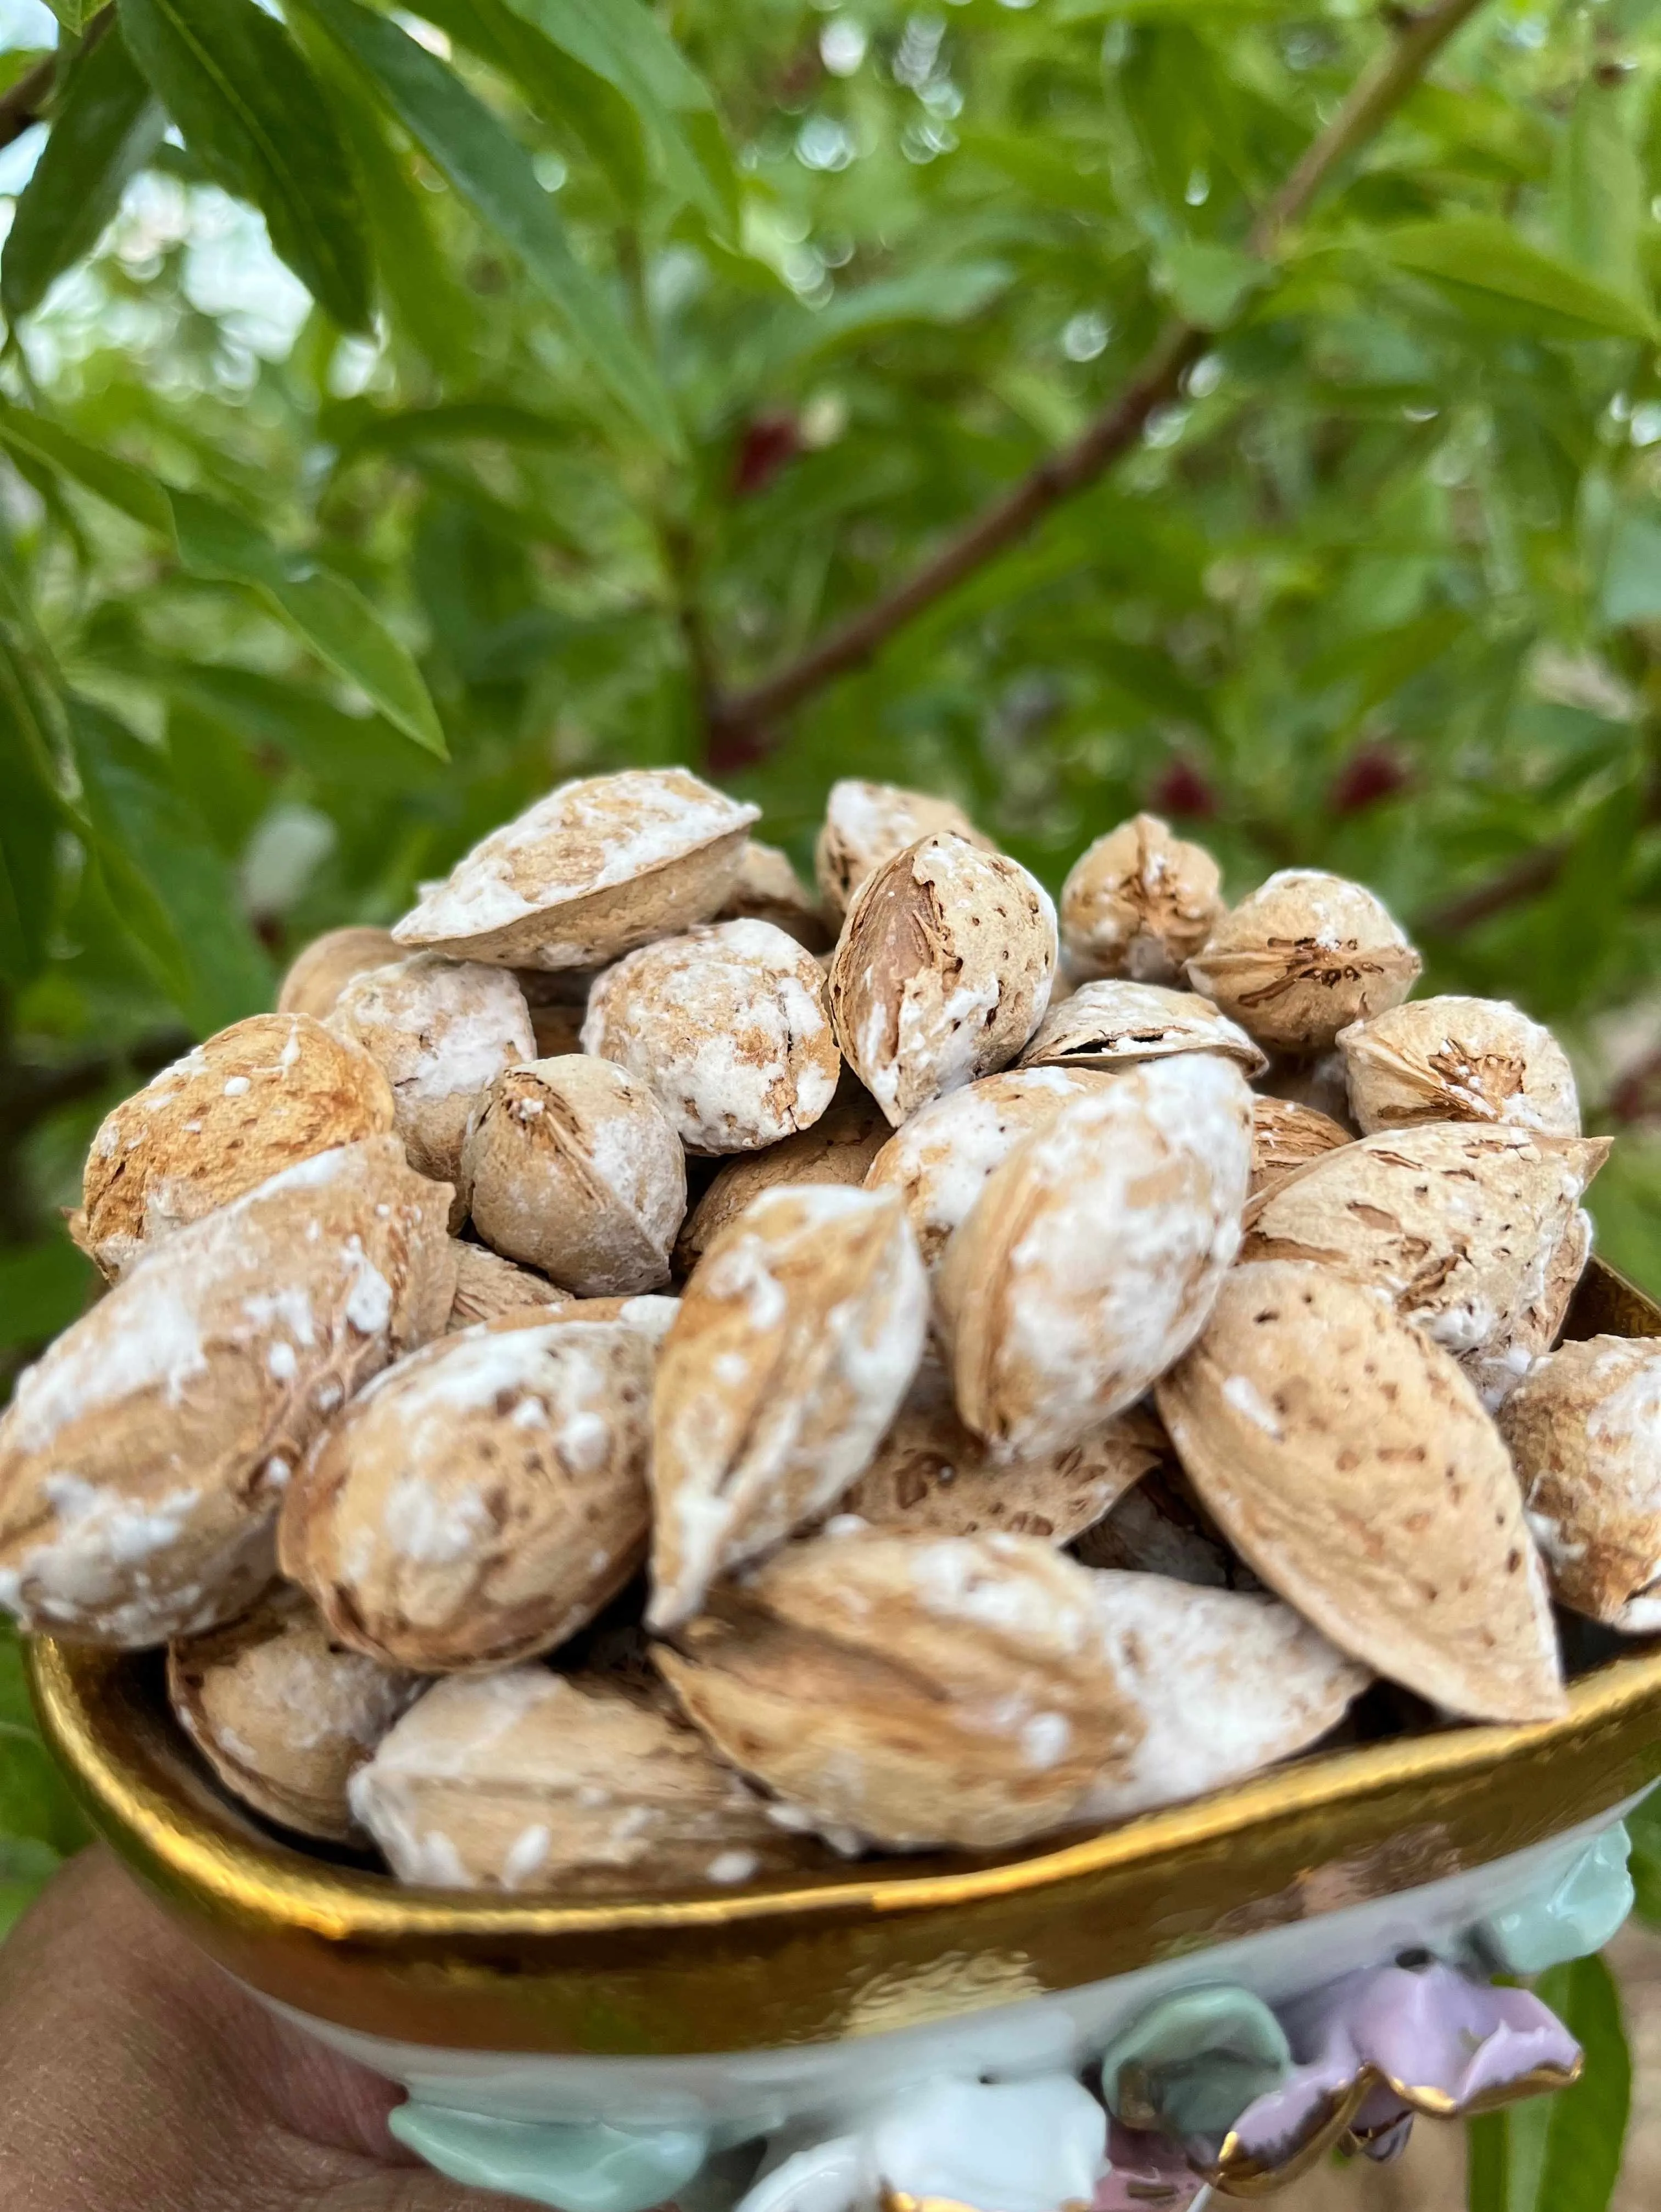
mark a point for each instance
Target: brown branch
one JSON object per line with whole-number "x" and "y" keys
{"x": 741, "y": 725}
{"x": 1529, "y": 876}
{"x": 24, "y": 104}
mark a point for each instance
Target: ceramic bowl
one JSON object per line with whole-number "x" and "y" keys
{"x": 743, "y": 2013}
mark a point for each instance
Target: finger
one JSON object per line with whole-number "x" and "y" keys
{"x": 416, "y": 2190}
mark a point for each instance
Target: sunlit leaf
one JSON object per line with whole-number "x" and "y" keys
{"x": 1602, "y": 194}
{"x": 251, "y": 112}
{"x": 1487, "y": 257}
{"x": 106, "y": 128}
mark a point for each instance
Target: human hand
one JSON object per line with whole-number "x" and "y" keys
{"x": 136, "y": 2077}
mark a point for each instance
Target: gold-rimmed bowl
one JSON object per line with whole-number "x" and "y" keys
{"x": 860, "y": 1951}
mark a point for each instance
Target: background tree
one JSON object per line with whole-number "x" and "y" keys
{"x": 1248, "y": 408}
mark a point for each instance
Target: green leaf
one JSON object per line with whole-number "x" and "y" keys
{"x": 491, "y": 170}
{"x": 43, "y": 1287}
{"x": 1488, "y": 2164}
{"x": 1487, "y": 257}
{"x": 1644, "y": 1826}
{"x": 216, "y": 543}
{"x": 253, "y": 114}
{"x": 106, "y": 129}
{"x": 1632, "y": 573}
{"x": 1587, "y": 2124}
{"x": 947, "y": 294}
{"x": 1603, "y": 199}
{"x": 175, "y": 892}
{"x": 75, "y": 15}
{"x": 436, "y": 312}
{"x": 1208, "y": 284}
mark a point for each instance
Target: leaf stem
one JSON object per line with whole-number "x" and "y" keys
{"x": 742, "y": 726}
{"x": 23, "y": 103}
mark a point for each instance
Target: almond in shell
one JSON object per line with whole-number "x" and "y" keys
{"x": 484, "y": 1500}
{"x": 248, "y": 1103}
{"x": 320, "y": 973}
{"x": 597, "y": 867}
{"x": 1092, "y": 1256}
{"x": 1585, "y": 1432}
{"x": 1113, "y": 1024}
{"x": 866, "y": 823}
{"x": 573, "y": 1168}
{"x": 1306, "y": 954}
{"x": 1139, "y": 902}
{"x": 943, "y": 971}
{"x": 797, "y": 1339}
{"x": 1458, "y": 1221}
{"x": 487, "y": 1286}
{"x": 1459, "y": 1059}
{"x": 838, "y": 1149}
{"x": 534, "y": 1781}
{"x": 1349, "y": 1462}
{"x": 143, "y": 1459}
{"x": 1500, "y": 1366}
{"x": 285, "y": 1714}
{"x": 977, "y": 1691}
{"x": 441, "y": 1031}
{"x": 1286, "y": 1136}
{"x": 939, "y": 1160}
{"x": 729, "y": 1026}
{"x": 766, "y": 887}
{"x": 929, "y": 1473}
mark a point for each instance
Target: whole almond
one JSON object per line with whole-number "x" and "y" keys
{"x": 940, "y": 1159}
{"x": 1584, "y": 1426}
{"x": 482, "y": 1500}
{"x": 867, "y": 824}
{"x": 1349, "y": 1462}
{"x": 913, "y": 1690}
{"x": 535, "y": 1781}
{"x": 1092, "y": 1256}
{"x": 1286, "y": 1136}
{"x": 1305, "y": 956}
{"x": 284, "y": 1714}
{"x": 441, "y": 1031}
{"x": 597, "y": 867}
{"x": 797, "y": 1337}
{"x": 487, "y": 1286}
{"x": 943, "y": 971}
{"x": 766, "y": 887}
{"x": 729, "y": 1026}
{"x": 1459, "y": 1059}
{"x": 249, "y": 1102}
{"x": 838, "y": 1149}
{"x": 571, "y": 1166}
{"x": 143, "y": 1458}
{"x": 1113, "y": 1025}
{"x": 929, "y": 1473}
{"x": 1458, "y": 1221}
{"x": 1139, "y": 902}
{"x": 318, "y": 975}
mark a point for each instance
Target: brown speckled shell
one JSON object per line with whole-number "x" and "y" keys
{"x": 867, "y": 824}
{"x": 838, "y": 1148}
{"x": 1305, "y": 956}
{"x": 318, "y": 975}
{"x": 1139, "y": 902}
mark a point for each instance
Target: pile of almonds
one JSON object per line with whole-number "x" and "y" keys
{"x": 644, "y": 1374}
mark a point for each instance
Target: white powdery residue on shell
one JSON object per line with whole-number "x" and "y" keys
{"x": 160, "y": 1348}
{"x": 477, "y": 1026}
{"x": 526, "y": 1855}
{"x": 730, "y": 1368}
{"x": 651, "y": 1314}
{"x": 584, "y": 1441}
{"x": 430, "y": 1528}
{"x": 290, "y": 1310}
{"x": 742, "y": 1272}
{"x": 728, "y": 1868}
{"x": 1044, "y": 1738}
{"x": 949, "y": 1578}
{"x": 281, "y": 1362}
{"x": 1244, "y": 1395}
{"x": 1548, "y": 1534}
{"x": 1623, "y": 1437}
{"x": 235, "y": 1086}
{"x": 368, "y": 1306}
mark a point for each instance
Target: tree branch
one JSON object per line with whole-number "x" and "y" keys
{"x": 25, "y": 103}
{"x": 741, "y": 725}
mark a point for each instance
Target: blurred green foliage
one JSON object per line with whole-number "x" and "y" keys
{"x": 627, "y": 350}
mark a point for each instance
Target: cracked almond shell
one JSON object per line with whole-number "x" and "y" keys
{"x": 867, "y": 824}
{"x": 285, "y": 1714}
{"x": 572, "y": 1167}
{"x": 321, "y": 972}
{"x": 600, "y": 866}
{"x": 1090, "y": 1259}
{"x": 1286, "y": 1136}
{"x": 1139, "y": 902}
{"x": 533, "y": 1781}
{"x": 1306, "y": 954}
{"x": 1350, "y": 1463}
{"x": 1458, "y": 1221}
{"x": 929, "y": 1473}
{"x": 482, "y": 1500}
{"x": 1584, "y": 1426}
{"x": 1112, "y": 1024}
{"x": 143, "y": 1458}
{"x": 943, "y": 971}
{"x": 240, "y": 1108}
{"x": 838, "y": 1149}
{"x": 1459, "y": 1059}
{"x": 487, "y": 1286}
{"x": 441, "y": 1031}
{"x": 797, "y": 1339}
{"x": 977, "y": 1691}
{"x": 729, "y": 1026}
